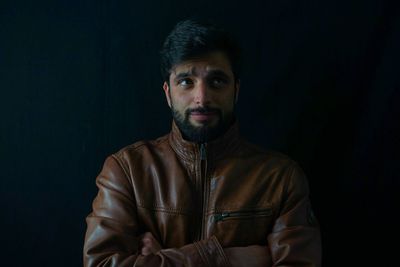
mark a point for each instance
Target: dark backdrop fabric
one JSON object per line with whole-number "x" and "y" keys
{"x": 80, "y": 80}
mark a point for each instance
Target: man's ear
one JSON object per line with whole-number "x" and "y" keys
{"x": 167, "y": 93}
{"x": 237, "y": 88}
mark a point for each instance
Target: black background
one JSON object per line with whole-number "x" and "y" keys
{"x": 80, "y": 79}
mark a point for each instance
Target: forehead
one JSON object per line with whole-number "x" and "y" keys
{"x": 203, "y": 65}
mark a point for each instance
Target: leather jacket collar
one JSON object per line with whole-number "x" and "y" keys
{"x": 216, "y": 149}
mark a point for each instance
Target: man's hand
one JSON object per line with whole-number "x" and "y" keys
{"x": 149, "y": 244}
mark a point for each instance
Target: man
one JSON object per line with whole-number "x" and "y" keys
{"x": 201, "y": 195}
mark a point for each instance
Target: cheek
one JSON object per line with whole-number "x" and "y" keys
{"x": 226, "y": 102}
{"x": 180, "y": 102}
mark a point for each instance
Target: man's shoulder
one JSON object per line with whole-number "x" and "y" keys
{"x": 141, "y": 147}
{"x": 275, "y": 164}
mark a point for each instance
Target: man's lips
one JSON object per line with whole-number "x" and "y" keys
{"x": 202, "y": 116}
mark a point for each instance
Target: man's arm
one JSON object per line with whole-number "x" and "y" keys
{"x": 112, "y": 233}
{"x": 112, "y": 236}
{"x": 295, "y": 238}
{"x": 250, "y": 256}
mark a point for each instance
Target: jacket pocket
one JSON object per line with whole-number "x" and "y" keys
{"x": 242, "y": 214}
{"x": 242, "y": 227}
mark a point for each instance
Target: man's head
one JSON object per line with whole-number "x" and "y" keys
{"x": 200, "y": 66}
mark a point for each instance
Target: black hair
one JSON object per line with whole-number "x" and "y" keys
{"x": 191, "y": 38}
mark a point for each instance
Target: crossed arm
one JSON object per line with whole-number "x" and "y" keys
{"x": 293, "y": 242}
{"x": 238, "y": 256}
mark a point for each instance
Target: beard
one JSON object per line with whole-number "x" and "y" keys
{"x": 204, "y": 133}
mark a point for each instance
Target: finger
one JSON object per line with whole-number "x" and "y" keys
{"x": 148, "y": 235}
{"x": 146, "y": 241}
{"x": 150, "y": 242}
{"x": 146, "y": 251}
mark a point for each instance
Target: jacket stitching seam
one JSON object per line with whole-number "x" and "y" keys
{"x": 166, "y": 211}
{"x": 221, "y": 251}
{"x": 163, "y": 209}
{"x": 122, "y": 166}
{"x": 202, "y": 253}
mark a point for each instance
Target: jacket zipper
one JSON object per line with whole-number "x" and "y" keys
{"x": 204, "y": 189}
{"x": 241, "y": 214}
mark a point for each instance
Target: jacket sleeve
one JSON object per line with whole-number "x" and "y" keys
{"x": 295, "y": 238}
{"x": 250, "y": 256}
{"x": 112, "y": 235}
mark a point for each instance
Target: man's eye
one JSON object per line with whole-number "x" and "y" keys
{"x": 185, "y": 82}
{"x": 218, "y": 82}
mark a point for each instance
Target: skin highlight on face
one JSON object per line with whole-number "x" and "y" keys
{"x": 201, "y": 94}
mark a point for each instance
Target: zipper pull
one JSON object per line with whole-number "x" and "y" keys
{"x": 203, "y": 154}
{"x": 220, "y": 216}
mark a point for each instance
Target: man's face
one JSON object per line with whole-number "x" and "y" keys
{"x": 202, "y": 93}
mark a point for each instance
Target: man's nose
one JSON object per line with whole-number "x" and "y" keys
{"x": 201, "y": 92}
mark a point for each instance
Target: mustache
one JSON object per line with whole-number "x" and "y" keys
{"x": 203, "y": 110}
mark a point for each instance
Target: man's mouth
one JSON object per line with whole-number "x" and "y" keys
{"x": 202, "y": 116}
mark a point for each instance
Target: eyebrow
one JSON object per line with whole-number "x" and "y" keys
{"x": 219, "y": 73}
{"x": 191, "y": 72}
{"x": 183, "y": 75}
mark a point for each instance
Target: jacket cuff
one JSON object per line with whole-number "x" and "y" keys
{"x": 206, "y": 253}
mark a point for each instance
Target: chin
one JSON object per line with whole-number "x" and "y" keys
{"x": 198, "y": 124}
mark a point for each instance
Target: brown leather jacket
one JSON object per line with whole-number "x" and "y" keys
{"x": 217, "y": 204}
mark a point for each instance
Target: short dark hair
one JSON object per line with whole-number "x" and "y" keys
{"x": 191, "y": 38}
